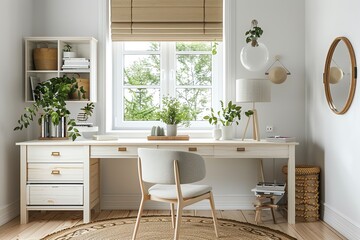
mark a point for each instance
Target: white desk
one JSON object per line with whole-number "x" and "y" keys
{"x": 64, "y": 175}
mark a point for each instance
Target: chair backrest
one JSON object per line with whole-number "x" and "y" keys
{"x": 158, "y": 166}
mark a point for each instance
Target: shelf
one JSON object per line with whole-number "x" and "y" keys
{"x": 84, "y": 47}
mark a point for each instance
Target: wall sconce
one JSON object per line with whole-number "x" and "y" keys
{"x": 255, "y": 54}
{"x": 277, "y": 74}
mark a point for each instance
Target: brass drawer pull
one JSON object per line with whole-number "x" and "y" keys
{"x": 192, "y": 149}
{"x": 240, "y": 149}
{"x": 55, "y": 172}
{"x": 122, "y": 149}
{"x": 55, "y": 154}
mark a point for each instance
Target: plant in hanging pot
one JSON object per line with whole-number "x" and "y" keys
{"x": 229, "y": 114}
{"x": 254, "y": 55}
{"x": 253, "y": 34}
{"x": 50, "y": 103}
{"x": 173, "y": 113}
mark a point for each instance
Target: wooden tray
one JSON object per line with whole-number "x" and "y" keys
{"x": 53, "y": 138}
{"x": 178, "y": 137}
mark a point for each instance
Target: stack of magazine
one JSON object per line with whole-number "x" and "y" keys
{"x": 269, "y": 188}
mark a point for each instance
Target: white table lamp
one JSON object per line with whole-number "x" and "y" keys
{"x": 253, "y": 90}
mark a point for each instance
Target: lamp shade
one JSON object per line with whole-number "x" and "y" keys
{"x": 253, "y": 90}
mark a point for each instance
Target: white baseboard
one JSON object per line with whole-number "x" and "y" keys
{"x": 222, "y": 202}
{"x": 9, "y": 212}
{"x": 341, "y": 223}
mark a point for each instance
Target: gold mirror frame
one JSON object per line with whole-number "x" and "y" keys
{"x": 326, "y": 79}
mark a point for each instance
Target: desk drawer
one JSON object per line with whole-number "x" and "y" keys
{"x": 203, "y": 150}
{"x": 55, "y": 195}
{"x": 116, "y": 151}
{"x": 53, "y": 172}
{"x": 260, "y": 151}
{"x": 57, "y": 153}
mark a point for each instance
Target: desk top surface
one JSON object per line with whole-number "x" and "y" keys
{"x": 144, "y": 141}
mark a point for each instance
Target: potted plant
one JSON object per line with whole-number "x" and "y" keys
{"x": 253, "y": 34}
{"x": 50, "y": 101}
{"x": 229, "y": 114}
{"x": 254, "y": 55}
{"x": 67, "y": 51}
{"x": 172, "y": 113}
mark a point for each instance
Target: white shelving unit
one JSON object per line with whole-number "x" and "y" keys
{"x": 85, "y": 47}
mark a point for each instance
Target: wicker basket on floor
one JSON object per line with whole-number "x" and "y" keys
{"x": 306, "y": 193}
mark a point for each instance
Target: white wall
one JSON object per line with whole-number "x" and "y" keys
{"x": 333, "y": 141}
{"x": 15, "y": 23}
{"x": 283, "y": 25}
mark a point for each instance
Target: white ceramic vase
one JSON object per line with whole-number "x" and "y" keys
{"x": 227, "y": 132}
{"x": 171, "y": 130}
{"x": 216, "y": 132}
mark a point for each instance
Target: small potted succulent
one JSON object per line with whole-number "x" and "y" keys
{"x": 67, "y": 51}
{"x": 173, "y": 113}
{"x": 50, "y": 104}
{"x": 227, "y": 116}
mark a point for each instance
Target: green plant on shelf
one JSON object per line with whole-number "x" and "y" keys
{"x": 50, "y": 103}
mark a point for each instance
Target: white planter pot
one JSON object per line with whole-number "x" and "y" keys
{"x": 217, "y": 133}
{"x": 69, "y": 55}
{"x": 227, "y": 132}
{"x": 171, "y": 130}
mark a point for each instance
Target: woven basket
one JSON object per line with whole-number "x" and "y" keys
{"x": 45, "y": 58}
{"x": 306, "y": 192}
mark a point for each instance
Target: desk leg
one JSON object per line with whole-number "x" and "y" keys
{"x": 291, "y": 185}
{"x": 24, "y": 217}
{"x": 87, "y": 208}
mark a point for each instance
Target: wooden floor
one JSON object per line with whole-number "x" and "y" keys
{"x": 45, "y": 223}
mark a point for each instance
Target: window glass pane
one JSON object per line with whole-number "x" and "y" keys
{"x": 140, "y": 104}
{"x": 193, "y": 46}
{"x": 142, "y": 69}
{"x": 142, "y": 46}
{"x": 194, "y": 70}
{"x": 198, "y": 99}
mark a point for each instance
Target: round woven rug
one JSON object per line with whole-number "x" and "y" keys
{"x": 159, "y": 227}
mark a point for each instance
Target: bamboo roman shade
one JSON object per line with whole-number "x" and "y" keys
{"x": 166, "y": 20}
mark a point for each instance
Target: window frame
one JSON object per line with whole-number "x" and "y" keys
{"x": 168, "y": 68}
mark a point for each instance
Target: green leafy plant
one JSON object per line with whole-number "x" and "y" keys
{"x": 253, "y": 34}
{"x": 227, "y": 115}
{"x": 50, "y": 102}
{"x": 214, "y": 48}
{"x": 88, "y": 109}
{"x": 174, "y": 112}
{"x": 67, "y": 47}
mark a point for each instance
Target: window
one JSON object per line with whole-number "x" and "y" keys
{"x": 144, "y": 72}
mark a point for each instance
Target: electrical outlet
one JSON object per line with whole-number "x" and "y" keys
{"x": 269, "y": 129}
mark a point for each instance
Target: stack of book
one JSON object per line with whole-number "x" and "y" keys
{"x": 280, "y": 139}
{"x": 269, "y": 188}
{"x": 76, "y": 64}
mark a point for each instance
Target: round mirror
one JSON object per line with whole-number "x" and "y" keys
{"x": 340, "y": 75}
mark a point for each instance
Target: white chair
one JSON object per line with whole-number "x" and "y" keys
{"x": 172, "y": 172}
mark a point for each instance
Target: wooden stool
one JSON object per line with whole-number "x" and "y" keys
{"x": 261, "y": 204}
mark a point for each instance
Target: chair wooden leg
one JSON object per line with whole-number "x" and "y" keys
{"x": 138, "y": 218}
{"x": 213, "y": 213}
{"x": 257, "y": 215}
{"x": 172, "y": 215}
{"x": 178, "y": 220}
{"x": 272, "y": 209}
